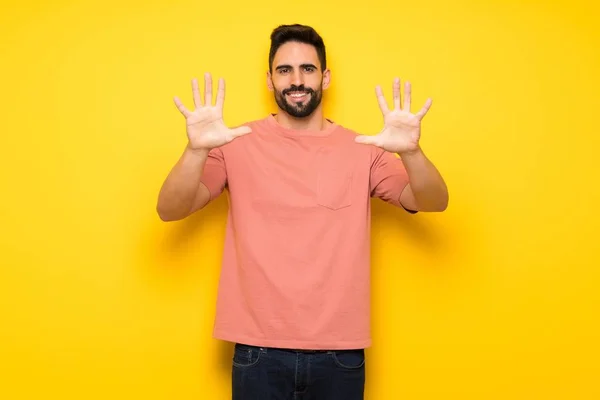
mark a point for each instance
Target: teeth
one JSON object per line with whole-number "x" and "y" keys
{"x": 298, "y": 94}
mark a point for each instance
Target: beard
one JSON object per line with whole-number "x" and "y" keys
{"x": 298, "y": 109}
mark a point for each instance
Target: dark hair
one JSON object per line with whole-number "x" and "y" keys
{"x": 297, "y": 33}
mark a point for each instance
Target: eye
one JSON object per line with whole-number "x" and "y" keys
{"x": 309, "y": 69}
{"x": 284, "y": 70}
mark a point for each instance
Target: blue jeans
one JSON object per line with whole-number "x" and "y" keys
{"x": 266, "y": 373}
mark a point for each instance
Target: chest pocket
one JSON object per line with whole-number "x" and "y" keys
{"x": 334, "y": 188}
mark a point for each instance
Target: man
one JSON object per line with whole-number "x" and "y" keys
{"x": 294, "y": 287}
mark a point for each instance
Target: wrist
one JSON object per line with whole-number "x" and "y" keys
{"x": 197, "y": 152}
{"x": 411, "y": 153}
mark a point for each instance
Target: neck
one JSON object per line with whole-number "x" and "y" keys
{"x": 314, "y": 122}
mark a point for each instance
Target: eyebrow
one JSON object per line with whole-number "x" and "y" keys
{"x": 290, "y": 67}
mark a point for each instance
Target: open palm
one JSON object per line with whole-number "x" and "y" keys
{"x": 402, "y": 129}
{"x": 205, "y": 126}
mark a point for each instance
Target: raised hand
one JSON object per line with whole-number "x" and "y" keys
{"x": 205, "y": 127}
{"x": 402, "y": 130}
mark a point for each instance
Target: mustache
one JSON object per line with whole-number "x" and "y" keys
{"x": 295, "y": 88}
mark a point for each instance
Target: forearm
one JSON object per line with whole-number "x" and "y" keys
{"x": 180, "y": 188}
{"x": 428, "y": 187}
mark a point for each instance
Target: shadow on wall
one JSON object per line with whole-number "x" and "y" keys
{"x": 419, "y": 230}
{"x": 171, "y": 244}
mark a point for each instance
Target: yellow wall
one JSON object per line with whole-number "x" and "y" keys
{"x": 497, "y": 298}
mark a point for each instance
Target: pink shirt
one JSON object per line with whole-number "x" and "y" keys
{"x": 296, "y": 260}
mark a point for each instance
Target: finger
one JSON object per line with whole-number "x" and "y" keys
{"x": 382, "y": 103}
{"x": 196, "y": 93}
{"x": 425, "y": 108}
{"x": 221, "y": 93}
{"x": 207, "y": 89}
{"x": 396, "y": 90}
{"x": 240, "y": 131}
{"x": 366, "y": 139}
{"x": 181, "y": 107}
{"x": 406, "y": 97}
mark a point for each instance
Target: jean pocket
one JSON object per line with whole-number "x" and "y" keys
{"x": 349, "y": 359}
{"x": 245, "y": 356}
{"x": 334, "y": 188}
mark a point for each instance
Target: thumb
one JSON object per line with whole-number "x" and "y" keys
{"x": 366, "y": 139}
{"x": 242, "y": 130}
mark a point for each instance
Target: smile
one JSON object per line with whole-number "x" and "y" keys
{"x": 298, "y": 95}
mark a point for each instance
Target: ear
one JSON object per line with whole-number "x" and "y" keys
{"x": 269, "y": 81}
{"x": 326, "y": 79}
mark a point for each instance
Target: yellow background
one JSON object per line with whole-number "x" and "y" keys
{"x": 497, "y": 298}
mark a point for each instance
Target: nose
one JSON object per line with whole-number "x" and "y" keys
{"x": 297, "y": 78}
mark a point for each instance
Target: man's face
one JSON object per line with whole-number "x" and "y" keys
{"x": 297, "y": 79}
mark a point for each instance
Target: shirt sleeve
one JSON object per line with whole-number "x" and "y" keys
{"x": 388, "y": 178}
{"x": 214, "y": 175}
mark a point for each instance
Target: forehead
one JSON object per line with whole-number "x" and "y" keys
{"x": 294, "y": 53}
